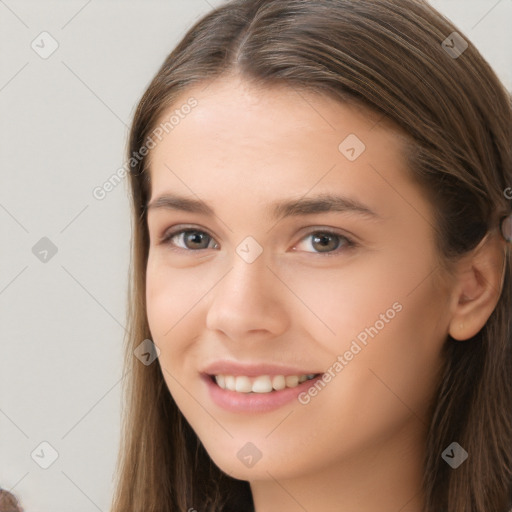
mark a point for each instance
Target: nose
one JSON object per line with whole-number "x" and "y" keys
{"x": 249, "y": 302}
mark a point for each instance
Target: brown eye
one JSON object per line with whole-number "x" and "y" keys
{"x": 325, "y": 242}
{"x": 328, "y": 242}
{"x": 188, "y": 239}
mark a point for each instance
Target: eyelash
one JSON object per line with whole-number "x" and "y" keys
{"x": 348, "y": 242}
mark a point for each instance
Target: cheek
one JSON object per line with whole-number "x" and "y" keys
{"x": 389, "y": 326}
{"x": 385, "y": 382}
{"x": 172, "y": 305}
{"x": 393, "y": 348}
{"x": 338, "y": 304}
{"x": 172, "y": 296}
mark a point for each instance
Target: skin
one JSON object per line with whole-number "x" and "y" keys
{"x": 358, "y": 444}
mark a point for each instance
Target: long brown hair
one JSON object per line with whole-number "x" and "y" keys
{"x": 388, "y": 56}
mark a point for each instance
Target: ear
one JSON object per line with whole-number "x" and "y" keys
{"x": 478, "y": 284}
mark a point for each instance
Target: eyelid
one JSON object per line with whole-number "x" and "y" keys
{"x": 350, "y": 242}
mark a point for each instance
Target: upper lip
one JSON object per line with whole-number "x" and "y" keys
{"x": 254, "y": 369}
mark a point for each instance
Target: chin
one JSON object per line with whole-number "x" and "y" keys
{"x": 244, "y": 461}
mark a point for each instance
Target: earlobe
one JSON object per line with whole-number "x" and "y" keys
{"x": 478, "y": 287}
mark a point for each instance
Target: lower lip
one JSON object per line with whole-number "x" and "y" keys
{"x": 254, "y": 402}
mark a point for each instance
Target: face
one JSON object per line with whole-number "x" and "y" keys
{"x": 312, "y": 258}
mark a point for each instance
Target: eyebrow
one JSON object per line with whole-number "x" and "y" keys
{"x": 321, "y": 203}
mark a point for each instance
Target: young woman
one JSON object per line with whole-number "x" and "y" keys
{"x": 320, "y": 305}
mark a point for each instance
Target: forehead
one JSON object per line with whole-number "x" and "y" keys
{"x": 231, "y": 115}
{"x": 274, "y": 140}
{"x": 230, "y": 104}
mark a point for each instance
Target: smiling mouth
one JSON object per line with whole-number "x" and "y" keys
{"x": 260, "y": 384}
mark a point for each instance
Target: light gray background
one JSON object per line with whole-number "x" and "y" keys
{"x": 63, "y": 127}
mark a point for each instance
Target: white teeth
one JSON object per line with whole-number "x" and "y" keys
{"x": 243, "y": 384}
{"x": 260, "y": 384}
{"x": 221, "y": 381}
{"x": 229, "y": 382}
{"x": 279, "y": 382}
